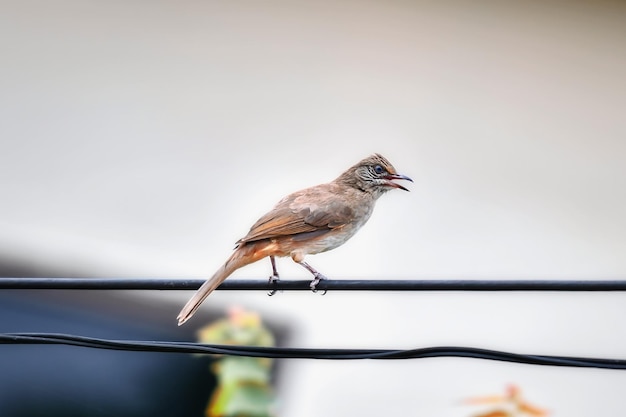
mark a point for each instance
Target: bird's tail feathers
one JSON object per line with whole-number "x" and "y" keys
{"x": 242, "y": 256}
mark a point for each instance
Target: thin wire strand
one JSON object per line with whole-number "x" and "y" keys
{"x": 303, "y": 285}
{"x": 300, "y": 353}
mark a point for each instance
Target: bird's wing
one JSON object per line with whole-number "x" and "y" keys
{"x": 311, "y": 210}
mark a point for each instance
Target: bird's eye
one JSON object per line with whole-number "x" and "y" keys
{"x": 379, "y": 169}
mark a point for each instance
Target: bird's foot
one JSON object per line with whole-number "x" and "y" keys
{"x": 273, "y": 280}
{"x": 313, "y": 285}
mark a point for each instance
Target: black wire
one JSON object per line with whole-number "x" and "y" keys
{"x": 301, "y": 353}
{"x": 303, "y": 285}
{"x": 304, "y": 353}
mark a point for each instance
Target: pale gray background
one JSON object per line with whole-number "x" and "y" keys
{"x": 144, "y": 138}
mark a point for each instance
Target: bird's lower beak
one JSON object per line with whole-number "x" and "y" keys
{"x": 391, "y": 177}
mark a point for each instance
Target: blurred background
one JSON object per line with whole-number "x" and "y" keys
{"x": 142, "y": 139}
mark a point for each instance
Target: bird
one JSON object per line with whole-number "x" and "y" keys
{"x": 308, "y": 222}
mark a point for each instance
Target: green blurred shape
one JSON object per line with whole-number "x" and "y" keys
{"x": 243, "y": 383}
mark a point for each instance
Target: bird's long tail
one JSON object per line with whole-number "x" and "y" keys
{"x": 243, "y": 255}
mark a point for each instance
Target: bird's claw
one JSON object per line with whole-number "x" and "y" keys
{"x": 313, "y": 285}
{"x": 273, "y": 279}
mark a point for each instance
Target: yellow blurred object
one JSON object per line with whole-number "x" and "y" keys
{"x": 243, "y": 383}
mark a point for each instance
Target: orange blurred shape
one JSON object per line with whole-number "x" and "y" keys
{"x": 489, "y": 399}
{"x": 498, "y": 413}
{"x": 532, "y": 410}
{"x": 512, "y": 397}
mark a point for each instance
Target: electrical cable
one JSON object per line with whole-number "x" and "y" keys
{"x": 303, "y": 285}
{"x": 307, "y": 353}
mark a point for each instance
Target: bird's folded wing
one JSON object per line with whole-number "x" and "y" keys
{"x": 293, "y": 219}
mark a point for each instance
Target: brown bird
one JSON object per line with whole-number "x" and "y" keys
{"x": 307, "y": 222}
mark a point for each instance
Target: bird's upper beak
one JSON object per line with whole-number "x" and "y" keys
{"x": 391, "y": 177}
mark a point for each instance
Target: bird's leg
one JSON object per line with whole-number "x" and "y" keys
{"x": 317, "y": 276}
{"x": 274, "y": 278}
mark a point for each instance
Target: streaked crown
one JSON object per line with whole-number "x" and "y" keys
{"x": 373, "y": 174}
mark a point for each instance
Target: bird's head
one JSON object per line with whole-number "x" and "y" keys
{"x": 374, "y": 174}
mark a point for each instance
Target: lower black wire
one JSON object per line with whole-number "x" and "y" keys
{"x": 305, "y": 353}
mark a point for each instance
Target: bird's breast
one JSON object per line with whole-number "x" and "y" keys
{"x": 322, "y": 240}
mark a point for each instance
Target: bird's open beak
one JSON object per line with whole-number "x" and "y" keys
{"x": 391, "y": 177}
